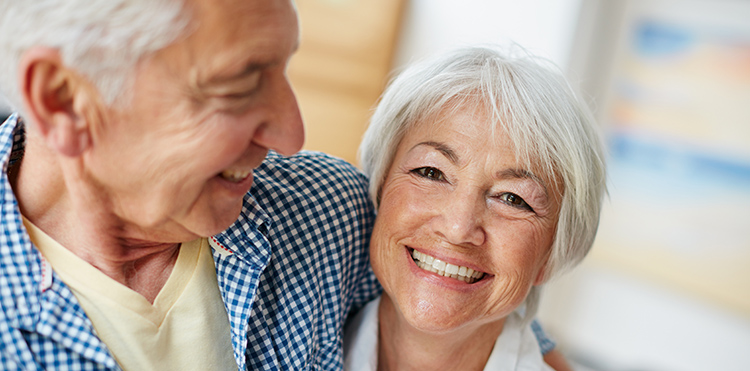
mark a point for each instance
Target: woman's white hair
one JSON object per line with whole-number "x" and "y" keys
{"x": 100, "y": 39}
{"x": 551, "y": 128}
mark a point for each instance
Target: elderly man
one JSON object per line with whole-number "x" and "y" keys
{"x": 142, "y": 124}
{"x": 144, "y": 127}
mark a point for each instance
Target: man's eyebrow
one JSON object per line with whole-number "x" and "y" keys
{"x": 442, "y": 148}
{"x": 250, "y": 68}
{"x": 247, "y": 70}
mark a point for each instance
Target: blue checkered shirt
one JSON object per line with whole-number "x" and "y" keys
{"x": 289, "y": 270}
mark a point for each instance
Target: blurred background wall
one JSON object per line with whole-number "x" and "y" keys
{"x": 4, "y": 108}
{"x": 667, "y": 285}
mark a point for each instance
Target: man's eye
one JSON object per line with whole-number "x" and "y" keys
{"x": 430, "y": 173}
{"x": 238, "y": 95}
{"x": 514, "y": 200}
{"x": 239, "y": 89}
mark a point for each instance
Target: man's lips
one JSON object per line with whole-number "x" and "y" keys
{"x": 235, "y": 176}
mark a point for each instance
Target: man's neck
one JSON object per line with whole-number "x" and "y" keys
{"x": 86, "y": 227}
{"x": 402, "y": 347}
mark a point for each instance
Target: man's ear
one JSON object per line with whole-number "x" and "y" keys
{"x": 56, "y": 100}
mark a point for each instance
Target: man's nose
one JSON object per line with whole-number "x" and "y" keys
{"x": 284, "y": 131}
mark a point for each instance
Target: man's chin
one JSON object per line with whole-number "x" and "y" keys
{"x": 212, "y": 214}
{"x": 219, "y": 222}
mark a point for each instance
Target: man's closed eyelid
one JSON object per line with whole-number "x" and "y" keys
{"x": 236, "y": 90}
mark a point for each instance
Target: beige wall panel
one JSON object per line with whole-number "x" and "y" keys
{"x": 342, "y": 65}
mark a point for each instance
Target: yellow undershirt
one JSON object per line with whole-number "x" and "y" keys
{"x": 187, "y": 327}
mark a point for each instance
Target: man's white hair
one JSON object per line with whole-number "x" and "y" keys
{"x": 552, "y": 130}
{"x": 100, "y": 39}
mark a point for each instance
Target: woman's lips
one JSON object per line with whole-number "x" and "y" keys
{"x": 435, "y": 265}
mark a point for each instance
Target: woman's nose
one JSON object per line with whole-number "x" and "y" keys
{"x": 461, "y": 220}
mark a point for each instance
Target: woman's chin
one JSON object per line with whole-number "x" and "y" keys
{"x": 435, "y": 316}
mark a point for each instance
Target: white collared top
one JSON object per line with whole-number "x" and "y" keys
{"x": 515, "y": 349}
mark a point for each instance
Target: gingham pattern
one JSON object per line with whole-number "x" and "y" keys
{"x": 40, "y": 330}
{"x": 546, "y": 344}
{"x": 289, "y": 270}
{"x": 311, "y": 238}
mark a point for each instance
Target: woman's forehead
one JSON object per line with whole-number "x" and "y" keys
{"x": 465, "y": 119}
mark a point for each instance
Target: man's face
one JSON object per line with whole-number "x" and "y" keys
{"x": 177, "y": 161}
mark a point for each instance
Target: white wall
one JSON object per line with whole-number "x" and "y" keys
{"x": 615, "y": 321}
{"x": 544, "y": 27}
{"x": 4, "y": 106}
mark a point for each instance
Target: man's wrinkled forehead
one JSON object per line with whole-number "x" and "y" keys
{"x": 227, "y": 38}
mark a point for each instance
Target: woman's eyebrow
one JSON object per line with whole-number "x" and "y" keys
{"x": 442, "y": 148}
{"x": 514, "y": 173}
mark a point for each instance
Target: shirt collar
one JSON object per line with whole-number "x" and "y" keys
{"x": 25, "y": 277}
{"x": 361, "y": 339}
{"x": 11, "y": 149}
{"x": 247, "y": 237}
{"x": 515, "y": 349}
{"x": 20, "y": 263}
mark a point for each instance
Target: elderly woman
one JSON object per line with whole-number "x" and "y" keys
{"x": 488, "y": 176}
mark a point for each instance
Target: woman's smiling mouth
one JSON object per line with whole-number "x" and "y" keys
{"x": 432, "y": 264}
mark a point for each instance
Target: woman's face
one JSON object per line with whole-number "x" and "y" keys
{"x": 463, "y": 231}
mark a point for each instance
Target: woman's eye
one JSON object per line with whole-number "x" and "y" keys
{"x": 514, "y": 200}
{"x": 430, "y": 173}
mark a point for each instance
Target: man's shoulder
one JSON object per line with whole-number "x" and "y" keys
{"x": 311, "y": 163}
{"x": 309, "y": 175}
{"x": 320, "y": 219}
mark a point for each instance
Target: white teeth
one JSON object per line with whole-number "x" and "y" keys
{"x": 442, "y": 268}
{"x": 452, "y": 269}
{"x": 235, "y": 175}
{"x": 438, "y": 264}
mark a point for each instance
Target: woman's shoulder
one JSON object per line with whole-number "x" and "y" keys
{"x": 361, "y": 338}
{"x": 516, "y": 348}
